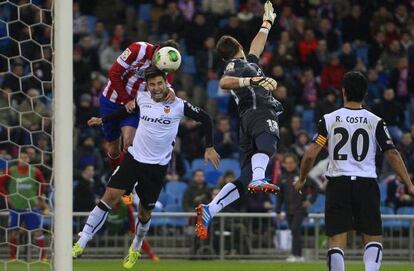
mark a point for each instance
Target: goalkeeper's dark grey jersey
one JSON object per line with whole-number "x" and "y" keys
{"x": 250, "y": 97}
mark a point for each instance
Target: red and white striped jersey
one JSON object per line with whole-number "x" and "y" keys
{"x": 127, "y": 74}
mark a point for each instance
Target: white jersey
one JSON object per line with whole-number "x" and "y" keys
{"x": 352, "y": 136}
{"x": 154, "y": 139}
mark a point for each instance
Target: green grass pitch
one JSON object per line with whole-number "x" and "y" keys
{"x": 172, "y": 265}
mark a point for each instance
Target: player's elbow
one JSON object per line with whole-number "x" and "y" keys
{"x": 225, "y": 83}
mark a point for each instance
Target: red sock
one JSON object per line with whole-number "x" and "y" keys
{"x": 40, "y": 242}
{"x": 147, "y": 249}
{"x": 12, "y": 247}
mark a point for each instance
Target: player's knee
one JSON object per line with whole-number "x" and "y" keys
{"x": 111, "y": 197}
{"x": 266, "y": 143}
{"x": 240, "y": 186}
{"x": 144, "y": 214}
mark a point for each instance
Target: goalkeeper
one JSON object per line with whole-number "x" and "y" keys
{"x": 258, "y": 112}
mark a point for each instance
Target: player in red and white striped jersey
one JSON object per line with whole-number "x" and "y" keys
{"x": 126, "y": 78}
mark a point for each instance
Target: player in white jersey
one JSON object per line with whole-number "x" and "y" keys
{"x": 352, "y": 195}
{"x": 147, "y": 159}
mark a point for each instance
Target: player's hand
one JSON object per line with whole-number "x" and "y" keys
{"x": 267, "y": 83}
{"x": 130, "y": 106}
{"x": 411, "y": 190}
{"x": 170, "y": 96}
{"x": 213, "y": 156}
{"x": 95, "y": 121}
{"x": 269, "y": 14}
{"x": 306, "y": 204}
{"x": 298, "y": 184}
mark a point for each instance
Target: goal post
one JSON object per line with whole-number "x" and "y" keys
{"x": 63, "y": 134}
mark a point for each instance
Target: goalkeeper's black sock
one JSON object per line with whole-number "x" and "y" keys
{"x": 336, "y": 259}
{"x": 94, "y": 223}
{"x": 373, "y": 256}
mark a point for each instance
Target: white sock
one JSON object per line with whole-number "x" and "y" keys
{"x": 336, "y": 259}
{"x": 373, "y": 256}
{"x": 227, "y": 195}
{"x": 259, "y": 164}
{"x": 95, "y": 221}
{"x": 140, "y": 233}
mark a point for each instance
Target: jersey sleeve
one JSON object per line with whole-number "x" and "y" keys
{"x": 230, "y": 69}
{"x": 119, "y": 67}
{"x": 383, "y": 137}
{"x": 322, "y": 133}
{"x": 198, "y": 114}
{"x": 252, "y": 58}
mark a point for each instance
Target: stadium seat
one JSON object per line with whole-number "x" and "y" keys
{"x": 188, "y": 64}
{"x": 200, "y": 164}
{"x": 405, "y": 211}
{"x": 383, "y": 192}
{"x": 389, "y": 223}
{"x": 175, "y": 221}
{"x": 308, "y": 117}
{"x": 91, "y": 22}
{"x": 157, "y": 221}
{"x": 174, "y": 192}
{"x": 212, "y": 88}
{"x": 230, "y": 164}
{"x": 319, "y": 205}
{"x": 212, "y": 177}
{"x": 223, "y": 103}
{"x": 144, "y": 12}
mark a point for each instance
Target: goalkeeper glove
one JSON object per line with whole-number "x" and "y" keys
{"x": 267, "y": 83}
{"x": 269, "y": 16}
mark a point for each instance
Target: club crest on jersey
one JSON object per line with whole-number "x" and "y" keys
{"x": 167, "y": 109}
{"x": 124, "y": 56}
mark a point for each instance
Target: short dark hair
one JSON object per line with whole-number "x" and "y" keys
{"x": 152, "y": 72}
{"x": 355, "y": 85}
{"x": 227, "y": 47}
{"x": 291, "y": 155}
{"x": 170, "y": 43}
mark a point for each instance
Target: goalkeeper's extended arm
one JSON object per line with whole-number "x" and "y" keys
{"x": 234, "y": 83}
{"x": 259, "y": 41}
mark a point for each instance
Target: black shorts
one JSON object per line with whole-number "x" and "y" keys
{"x": 150, "y": 179}
{"x": 255, "y": 122}
{"x": 352, "y": 205}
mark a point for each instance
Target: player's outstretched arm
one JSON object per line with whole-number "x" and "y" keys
{"x": 397, "y": 164}
{"x": 306, "y": 164}
{"x": 198, "y": 114}
{"x": 120, "y": 114}
{"x": 259, "y": 41}
{"x": 234, "y": 83}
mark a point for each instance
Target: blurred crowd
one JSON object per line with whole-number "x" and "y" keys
{"x": 312, "y": 45}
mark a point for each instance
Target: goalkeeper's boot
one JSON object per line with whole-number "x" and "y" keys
{"x": 77, "y": 251}
{"x": 204, "y": 219}
{"x": 263, "y": 185}
{"x": 132, "y": 257}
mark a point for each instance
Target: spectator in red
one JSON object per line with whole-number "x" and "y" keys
{"x": 332, "y": 73}
{"x": 307, "y": 45}
{"x": 402, "y": 80}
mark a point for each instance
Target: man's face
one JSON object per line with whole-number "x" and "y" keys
{"x": 289, "y": 164}
{"x": 157, "y": 87}
{"x": 224, "y": 126}
{"x": 24, "y": 159}
{"x": 199, "y": 178}
{"x": 89, "y": 172}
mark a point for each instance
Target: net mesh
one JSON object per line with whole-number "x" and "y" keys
{"x": 26, "y": 166}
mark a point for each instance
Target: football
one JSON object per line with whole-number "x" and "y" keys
{"x": 167, "y": 59}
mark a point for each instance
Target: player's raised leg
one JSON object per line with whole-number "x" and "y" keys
{"x": 265, "y": 145}
{"x": 96, "y": 219}
{"x": 122, "y": 180}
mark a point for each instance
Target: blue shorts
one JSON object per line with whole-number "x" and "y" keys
{"x": 112, "y": 129}
{"x": 31, "y": 218}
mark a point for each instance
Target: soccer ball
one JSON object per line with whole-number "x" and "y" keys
{"x": 167, "y": 59}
